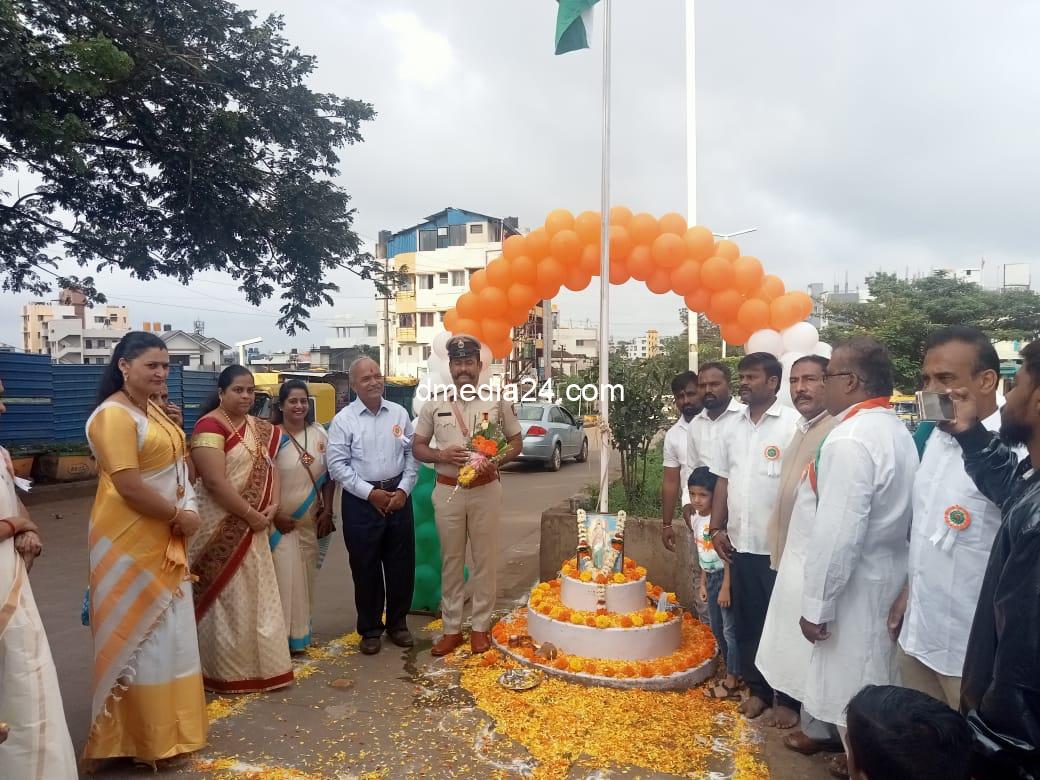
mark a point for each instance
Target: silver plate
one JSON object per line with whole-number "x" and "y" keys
{"x": 520, "y": 679}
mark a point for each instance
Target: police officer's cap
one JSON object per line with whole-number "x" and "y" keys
{"x": 463, "y": 346}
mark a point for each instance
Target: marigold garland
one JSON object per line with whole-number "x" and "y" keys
{"x": 545, "y": 599}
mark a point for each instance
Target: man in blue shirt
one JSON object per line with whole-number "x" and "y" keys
{"x": 370, "y": 456}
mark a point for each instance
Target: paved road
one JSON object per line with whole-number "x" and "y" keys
{"x": 60, "y": 575}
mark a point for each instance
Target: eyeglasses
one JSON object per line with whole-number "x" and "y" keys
{"x": 842, "y": 373}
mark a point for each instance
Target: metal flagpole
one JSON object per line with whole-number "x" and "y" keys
{"x": 692, "y": 318}
{"x": 604, "y": 274}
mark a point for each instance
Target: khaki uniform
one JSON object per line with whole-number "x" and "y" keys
{"x": 473, "y": 513}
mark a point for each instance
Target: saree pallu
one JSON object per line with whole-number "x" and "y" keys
{"x": 242, "y": 635}
{"x": 148, "y": 702}
{"x": 296, "y": 554}
{"x": 38, "y": 747}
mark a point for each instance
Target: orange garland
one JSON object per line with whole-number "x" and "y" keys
{"x": 545, "y": 599}
{"x": 698, "y": 645}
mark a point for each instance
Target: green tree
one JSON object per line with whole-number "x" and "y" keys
{"x": 167, "y": 139}
{"x": 902, "y": 313}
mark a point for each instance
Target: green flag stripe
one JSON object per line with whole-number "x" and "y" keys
{"x": 570, "y": 28}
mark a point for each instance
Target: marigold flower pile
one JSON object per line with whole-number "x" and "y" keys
{"x": 545, "y": 599}
{"x": 630, "y": 573}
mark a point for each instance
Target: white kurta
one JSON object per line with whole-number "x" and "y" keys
{"x": 857, "y": 559}
{"x": 946, "y": 565}
{"x": 783, "y": 652}
{"x": 703, "y": 432}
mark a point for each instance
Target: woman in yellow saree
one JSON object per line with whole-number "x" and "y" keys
{"x": 32, "y": 718}
{"x": 304, "y": 521}
{"x": 243, "y": 641}
{"x": 148, "y": 703}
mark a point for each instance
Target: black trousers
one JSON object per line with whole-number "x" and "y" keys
{"x": 752, "y": 586}
{"x": 382, "y": 563}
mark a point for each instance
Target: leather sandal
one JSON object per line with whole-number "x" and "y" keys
{"x": 800, "y": 742}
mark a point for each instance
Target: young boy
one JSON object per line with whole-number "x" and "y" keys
{"x": 901, "y": 734}
{"x": 713, "y": 587}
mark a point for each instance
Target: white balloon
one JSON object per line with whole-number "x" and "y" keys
{"x": 823, "y": 349}
{"x": 439, "y": 345}
{"x": 801, "y": 337}
{"x": 765, "y": 340}
{"x": 787, "y": 360}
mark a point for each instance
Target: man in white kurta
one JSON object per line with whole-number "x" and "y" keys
{"x": 954, "y": 525}
{"x": 857, "y": 555}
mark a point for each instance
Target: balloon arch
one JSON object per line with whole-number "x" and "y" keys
{"x": 713, "y": 278}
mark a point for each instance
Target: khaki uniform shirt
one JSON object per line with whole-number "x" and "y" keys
{"x": 437, "y": 419}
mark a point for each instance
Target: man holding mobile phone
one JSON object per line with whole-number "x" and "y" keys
{"x": 953, "y": 528}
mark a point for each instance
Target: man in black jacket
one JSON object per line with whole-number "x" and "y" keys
{"x": 1000, "y": 688}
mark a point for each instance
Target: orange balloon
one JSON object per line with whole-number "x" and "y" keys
{"x": 698, "y": 300}
{"x": 587, "y": 226}
{"x": 577, "y": 278}
{"x": 558, "y": 219}
{"x": 566, "y": 247}
{"x": 518, "y": 317}
{"x": 620, "y": 215}
{"x": 468, "y": 306}
{"x": 524, "y": 270}
{"x": 803, "y": 303}
{"x": 783, "y": 312}
{"x": 640, "y": 263}
{"x": 478, "y": 281}
{"x": 522, "y": 296}
{"x": 536, "y": 244}
{"x": 501, "y": 349}
{"x": 619, "y": 272}
{"x": 686, "y": 277}
{"x": 669, "y": 250}
{"x": 472, "y": 327}
{"x": 499, "y": 273}
{"x": 644, "y": 228}
{"x": 772, "y": 288}
{"x": 550, "y": 276}
{"x": 620, "y": 243}
{"x": 717, "y": 273}
{"x": 724, "y": 305}
{"x": 493, "y": 302}
{"x": 589, "y": 261}
{"x": 673, "y": 223}
{"x": 733, "y": 333}
{"x": 747, "y": 273}
{"x": 725, "y": 248}
{"x": 513, "y": 247}
{"x": 753, "y": 315}
{"x": 660, "y": 281}
{"x": 700, "y": 243}
{"x": 451, "y": 320}
{"x": 494, "y": 329}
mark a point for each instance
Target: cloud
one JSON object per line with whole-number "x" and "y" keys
{"x": 425, "y": 57}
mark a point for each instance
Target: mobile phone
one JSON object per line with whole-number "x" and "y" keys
{"x": 934, "y": 407}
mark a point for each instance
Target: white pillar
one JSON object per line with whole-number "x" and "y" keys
{"x": 691, "y": 157}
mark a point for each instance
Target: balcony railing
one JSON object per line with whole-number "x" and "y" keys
{"x": 406, "y": 334}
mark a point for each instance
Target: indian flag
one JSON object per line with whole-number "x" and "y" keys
{"x": 573, "y": 25}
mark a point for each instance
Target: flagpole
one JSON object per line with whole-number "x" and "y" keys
{"x": 604, "y": 274}
{"x": 692, "y": 317}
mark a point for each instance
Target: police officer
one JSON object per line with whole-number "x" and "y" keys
{"x": 472, "y": 512}
{"x": 370, "y": 455}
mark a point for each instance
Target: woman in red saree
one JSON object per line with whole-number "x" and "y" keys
{"x": 242, "y": 636}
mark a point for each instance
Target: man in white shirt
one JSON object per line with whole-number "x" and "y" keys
{"x": 676, "y": 470}
{"x": 719, "y": 407}
{"x": 747, "y": 459}
{"x": 953, "y": 528}
{"x": 856, "y": 563}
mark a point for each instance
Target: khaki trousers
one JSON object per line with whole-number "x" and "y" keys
{"x": 471, "y": 515}
{"x": 923, "y": 678}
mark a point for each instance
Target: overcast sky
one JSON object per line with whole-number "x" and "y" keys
{"x": 853, "y": 136}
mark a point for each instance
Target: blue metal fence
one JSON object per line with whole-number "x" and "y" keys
{"x": 51, "y": 402}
